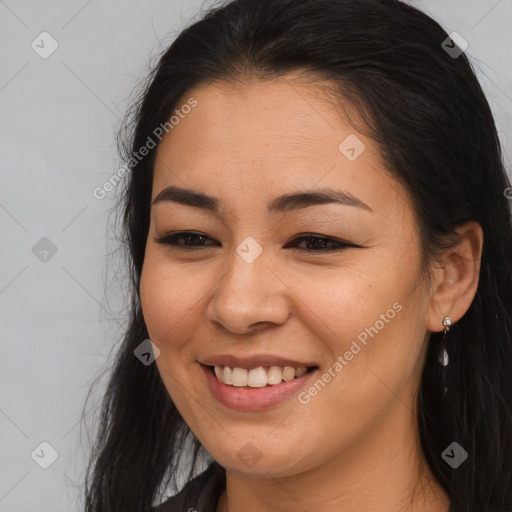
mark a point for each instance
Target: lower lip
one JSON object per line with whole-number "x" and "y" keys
{"x": 255, "y": 399}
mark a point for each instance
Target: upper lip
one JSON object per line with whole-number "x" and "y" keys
{"x": 253, "y": 361}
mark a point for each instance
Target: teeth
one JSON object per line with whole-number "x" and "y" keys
{"x": 257, "y": 377}
{"x": 299, "y": 372}
{"x": 239, "y": 377}
{"x": 288, "y": 373}
{"x": 228, "y": 375}
{"x": 274, "y": 375}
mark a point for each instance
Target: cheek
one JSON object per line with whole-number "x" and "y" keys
{"x": 156, "y": 295}
{"x": 347, "y": 301}
{"x": 372, "y": 319}
{"x": 373, "y": 366}
{"x": 169, "y": 295}
{"x": 164, "y": 308}
{"x": 168, "y": 298}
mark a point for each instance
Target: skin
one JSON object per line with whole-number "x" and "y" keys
{"x": 355, "y": 445}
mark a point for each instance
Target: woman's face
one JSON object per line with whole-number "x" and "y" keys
{"x": 248, "y": 291}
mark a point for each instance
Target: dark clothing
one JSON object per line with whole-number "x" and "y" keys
{"x": 201, "y": 494}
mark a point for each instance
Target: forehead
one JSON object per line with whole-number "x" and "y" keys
{"x": 281, "y": 117}
{"x": 268, "y": 136}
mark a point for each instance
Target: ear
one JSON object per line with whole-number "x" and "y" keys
{"x": 456, "y": 276}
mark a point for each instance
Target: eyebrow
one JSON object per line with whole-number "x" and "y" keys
{"x": 284, "y": 203}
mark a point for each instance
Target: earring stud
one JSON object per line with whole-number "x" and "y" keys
{"x": 447, "y": 322}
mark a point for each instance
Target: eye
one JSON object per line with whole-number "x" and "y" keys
{"x": 191, "y": 238}
{"x": 319, "y": 243}
{"x": 314, "y": 243}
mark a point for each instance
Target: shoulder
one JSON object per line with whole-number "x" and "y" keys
{"x": 201, "y": 494}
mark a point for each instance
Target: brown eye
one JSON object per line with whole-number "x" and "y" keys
{"x": 191, "y": 239}
{"x": 316, "y": 243}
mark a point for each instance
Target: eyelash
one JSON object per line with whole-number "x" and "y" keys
{"x": 170, "y": 240}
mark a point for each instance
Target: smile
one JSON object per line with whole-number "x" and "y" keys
{"x": 265, "y": 395}
{"x": 257, "y": 377}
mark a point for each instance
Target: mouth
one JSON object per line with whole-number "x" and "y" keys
{"x": 257, "y": 383}
{"x": 259, "y": 377}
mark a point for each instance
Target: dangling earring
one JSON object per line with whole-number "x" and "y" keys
{"x": 443, "y": 355}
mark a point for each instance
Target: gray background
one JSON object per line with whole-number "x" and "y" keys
{"x": 58, "y": 118}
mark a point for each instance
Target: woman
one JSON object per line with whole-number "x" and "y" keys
{"x": 320, "y": 247}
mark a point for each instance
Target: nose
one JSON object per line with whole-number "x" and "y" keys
{"x": 249, "y": 297}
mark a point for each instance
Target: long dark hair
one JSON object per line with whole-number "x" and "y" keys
{"x": 426, "y": 110}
